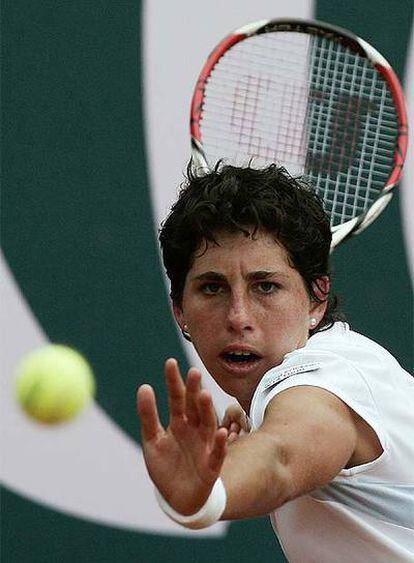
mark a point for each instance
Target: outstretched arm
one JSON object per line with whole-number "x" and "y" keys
{"x": 308, "y": 435}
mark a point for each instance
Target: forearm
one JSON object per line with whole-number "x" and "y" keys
{"x": 261, "y": 471}
{"x": 256, "y": 476}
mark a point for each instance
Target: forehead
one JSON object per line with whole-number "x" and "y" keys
{"x": 258, "y": 250}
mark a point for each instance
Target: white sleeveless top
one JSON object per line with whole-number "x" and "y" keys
{"x": 366, "y": 514}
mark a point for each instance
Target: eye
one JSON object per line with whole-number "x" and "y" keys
{"x": 267, "y": 287}
{"x": 211, "y": 288}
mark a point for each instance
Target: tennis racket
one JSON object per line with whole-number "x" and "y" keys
{"x": 311, "y": 97}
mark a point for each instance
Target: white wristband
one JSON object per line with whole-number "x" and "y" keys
{"x": 208, "y": 514}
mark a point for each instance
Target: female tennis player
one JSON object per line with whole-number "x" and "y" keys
{"x": 330, "y": 452}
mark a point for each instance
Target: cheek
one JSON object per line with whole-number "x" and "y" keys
{"x": 295, "y": 312}
{"x": 202, "y": 319}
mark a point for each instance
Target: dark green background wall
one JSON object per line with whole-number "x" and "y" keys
{"x": 77, "y": 232}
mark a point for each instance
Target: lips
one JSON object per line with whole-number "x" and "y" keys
{"x": 240, "y": 359}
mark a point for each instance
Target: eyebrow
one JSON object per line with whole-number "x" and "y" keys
{"x": 251, "y": 276}
{"x": 216, "y": 276}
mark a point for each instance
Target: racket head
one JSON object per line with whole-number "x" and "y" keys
{"x": 311, "y": 97}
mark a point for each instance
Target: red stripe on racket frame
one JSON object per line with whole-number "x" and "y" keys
{"x": 198, "y": 96}
{"x": 402, "y": 140}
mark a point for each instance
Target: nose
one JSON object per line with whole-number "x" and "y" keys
{"x": 239, "y": 315}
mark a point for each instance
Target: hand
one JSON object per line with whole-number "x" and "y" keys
{"x": 184, "y": 460}
{"x": 236, "y": 422}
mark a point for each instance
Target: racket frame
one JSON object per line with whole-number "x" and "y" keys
{"x": 357, "y": 224}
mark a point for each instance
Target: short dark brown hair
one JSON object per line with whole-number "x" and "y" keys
{"x": 245, "y": 199}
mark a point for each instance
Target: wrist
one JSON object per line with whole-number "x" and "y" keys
{"x": 208, "y": 514}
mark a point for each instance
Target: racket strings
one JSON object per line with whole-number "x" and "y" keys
{"x": 246, "y": 82}
{"x": 343, "y": 138}
{"x": 309, "y": 104}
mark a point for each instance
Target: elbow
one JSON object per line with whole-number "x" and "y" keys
{"x": 279, "y": 479}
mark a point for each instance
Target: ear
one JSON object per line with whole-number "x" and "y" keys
{"x": 321, "y": 288}
{"x": 179, "y": 315}
{"x": 317, "y": 311}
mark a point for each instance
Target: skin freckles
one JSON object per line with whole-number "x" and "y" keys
{"x": 243, "y": 296}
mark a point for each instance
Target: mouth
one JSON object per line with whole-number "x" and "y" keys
{"x": 240, "y": 357}
{"x": 240, "y": 360}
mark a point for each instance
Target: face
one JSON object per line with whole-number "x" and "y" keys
{"x": 245, "y": 307}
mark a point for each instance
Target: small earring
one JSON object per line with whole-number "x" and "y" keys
{"x": 313, "y": 322}
{"x": 185, "y": 333}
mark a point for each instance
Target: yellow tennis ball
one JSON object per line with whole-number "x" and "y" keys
{"x": 54, "y": 383}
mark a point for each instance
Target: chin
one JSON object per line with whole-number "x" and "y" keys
{"x": 242, "y": 390}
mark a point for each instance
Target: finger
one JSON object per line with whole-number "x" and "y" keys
{"x": 208, "y": 418}
{"x": 232, "y": 437}
{"x": 193, "y": 389}
{"x": 225, "y": 423}
{"x": 245, "y": 424}
{"x": 234, "y": 432}
{"x": 148, "y": 413}
{"x": 219, "y": 450}
{"x": 234, "y": 428}
{"x": 233, "y": 413}
{"x": 176, "y": 388}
